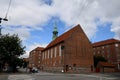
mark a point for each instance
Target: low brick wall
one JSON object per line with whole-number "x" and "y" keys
{"x": 71, "y": 70}
{"x": 107, "y": 70}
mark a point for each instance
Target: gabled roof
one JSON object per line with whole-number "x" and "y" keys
{"x": 62, "y": 37}
{"x": 26, "y": 59}
{"x": 39, "y": 48}
{"x": 109, "y": 41}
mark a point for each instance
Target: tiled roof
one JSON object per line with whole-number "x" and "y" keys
{"x": 105, "y": 64}
{"x": 109, "y": 41}
{"x": 39, "y": 48}
{"x": 26, "y": 59}
{"x": 62, "y": 37}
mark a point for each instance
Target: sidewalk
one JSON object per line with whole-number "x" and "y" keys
{"x": 20, "y": 77}
{"x": 23, "y": 70}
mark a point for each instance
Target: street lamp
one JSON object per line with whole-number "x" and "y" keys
{"x": 2, "y": 19}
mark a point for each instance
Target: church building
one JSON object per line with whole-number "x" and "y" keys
{"x": 69, "y": 52}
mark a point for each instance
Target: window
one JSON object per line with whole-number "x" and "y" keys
{"x": 103, "y": 55}
{"x": 33, "y": 64}
{"x": 48, "y": 54}
{"x": 60, "y": 51}
{"x": 108, "y": 51}
{"x": 108, "y": 56}
{"x": 118, "y": 55}
{"x": 103, "y": 52}
{"x": 55, "y": 51}
{"x": 38, "y": 61}
{"x": 39, "y": 52}
{"x": 116, "y": 45}
{"x": 43, "y": 55}
{"x": 59, "y": 61}
{"x": 118, "y": 60}
{"x": 102, "y": 47}
{"x": 117, "y": 50}
{"x": 97, "y": 48}
{"x": 107, "y": 46}
{"x": 51, "y": 53}
{"x": 98, "y": 52}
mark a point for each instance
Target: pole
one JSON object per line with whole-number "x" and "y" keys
{"x": 0, "y": 30}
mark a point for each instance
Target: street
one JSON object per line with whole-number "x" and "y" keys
{"x": 60, "y": 76}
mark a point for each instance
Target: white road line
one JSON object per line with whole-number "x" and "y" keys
{"x": 20, "y": 77}
{"x": 100, "y": 77}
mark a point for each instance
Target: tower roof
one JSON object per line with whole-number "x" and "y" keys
{"x": 55, "y": 27}
{"x": 55, "y": 32}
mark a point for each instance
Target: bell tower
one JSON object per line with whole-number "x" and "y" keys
{"x": 55, "y": 32}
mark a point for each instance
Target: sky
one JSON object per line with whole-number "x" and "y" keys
{"x": 34, "y": 20}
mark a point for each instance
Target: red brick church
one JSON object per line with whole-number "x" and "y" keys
{"x": 70, "y": 52}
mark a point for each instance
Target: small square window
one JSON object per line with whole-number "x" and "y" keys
{"x": 116, "y": 45}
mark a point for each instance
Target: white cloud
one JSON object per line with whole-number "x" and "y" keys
{"x": 85, "y": 12}
{"x": 33, "y": 13}
{"x": 33, "y": 46}
{"x": 110, "y": 13}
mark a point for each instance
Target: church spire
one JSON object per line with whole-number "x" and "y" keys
{"x": 55, "y": 32}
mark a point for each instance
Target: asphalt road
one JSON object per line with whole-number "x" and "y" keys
{"x": 60, "y": 76}
{"x": 3, "y": 77}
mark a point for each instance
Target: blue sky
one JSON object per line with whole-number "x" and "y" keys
{"x": 33, "y": 20}
{"x": 103, "y": 32}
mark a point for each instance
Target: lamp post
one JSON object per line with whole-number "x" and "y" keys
{"x": 2, "y": 19}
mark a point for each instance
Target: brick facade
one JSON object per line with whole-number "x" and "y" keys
{"x": 70, "y": 52}
{"x": 109, "y": 49}
{"x": 35, "y": 58}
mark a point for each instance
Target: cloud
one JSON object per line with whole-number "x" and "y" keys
{"x": 34, "y": 13}
{"x": 85, "y": 12}
{"x": 110, "y": 13}
{"x": 31, "y": 47}
{"x": 28, "y": 15}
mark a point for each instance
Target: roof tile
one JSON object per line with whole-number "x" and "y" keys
{"x": 109, "y": 41}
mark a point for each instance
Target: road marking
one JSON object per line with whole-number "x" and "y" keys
{"x": 20, "y": 77}
{"x": 103, "y": 77}
{"x": 100, "y": 77}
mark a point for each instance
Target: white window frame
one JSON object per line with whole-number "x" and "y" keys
{"x": 60, "y": 51}
{"x": 43, "y": 55}
{"x": 51, "y": 53}
{"x": 48, "y": 54}
{"x": 55, "y": 51}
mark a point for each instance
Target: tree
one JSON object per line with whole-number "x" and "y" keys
{"x": 97, "y": 59}
{"x": 10, "y": 50}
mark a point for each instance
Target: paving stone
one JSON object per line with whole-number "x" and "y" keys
{"x": 20, "y": 77}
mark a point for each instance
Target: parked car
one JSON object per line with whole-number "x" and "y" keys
{"x": 34, "y": 70}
